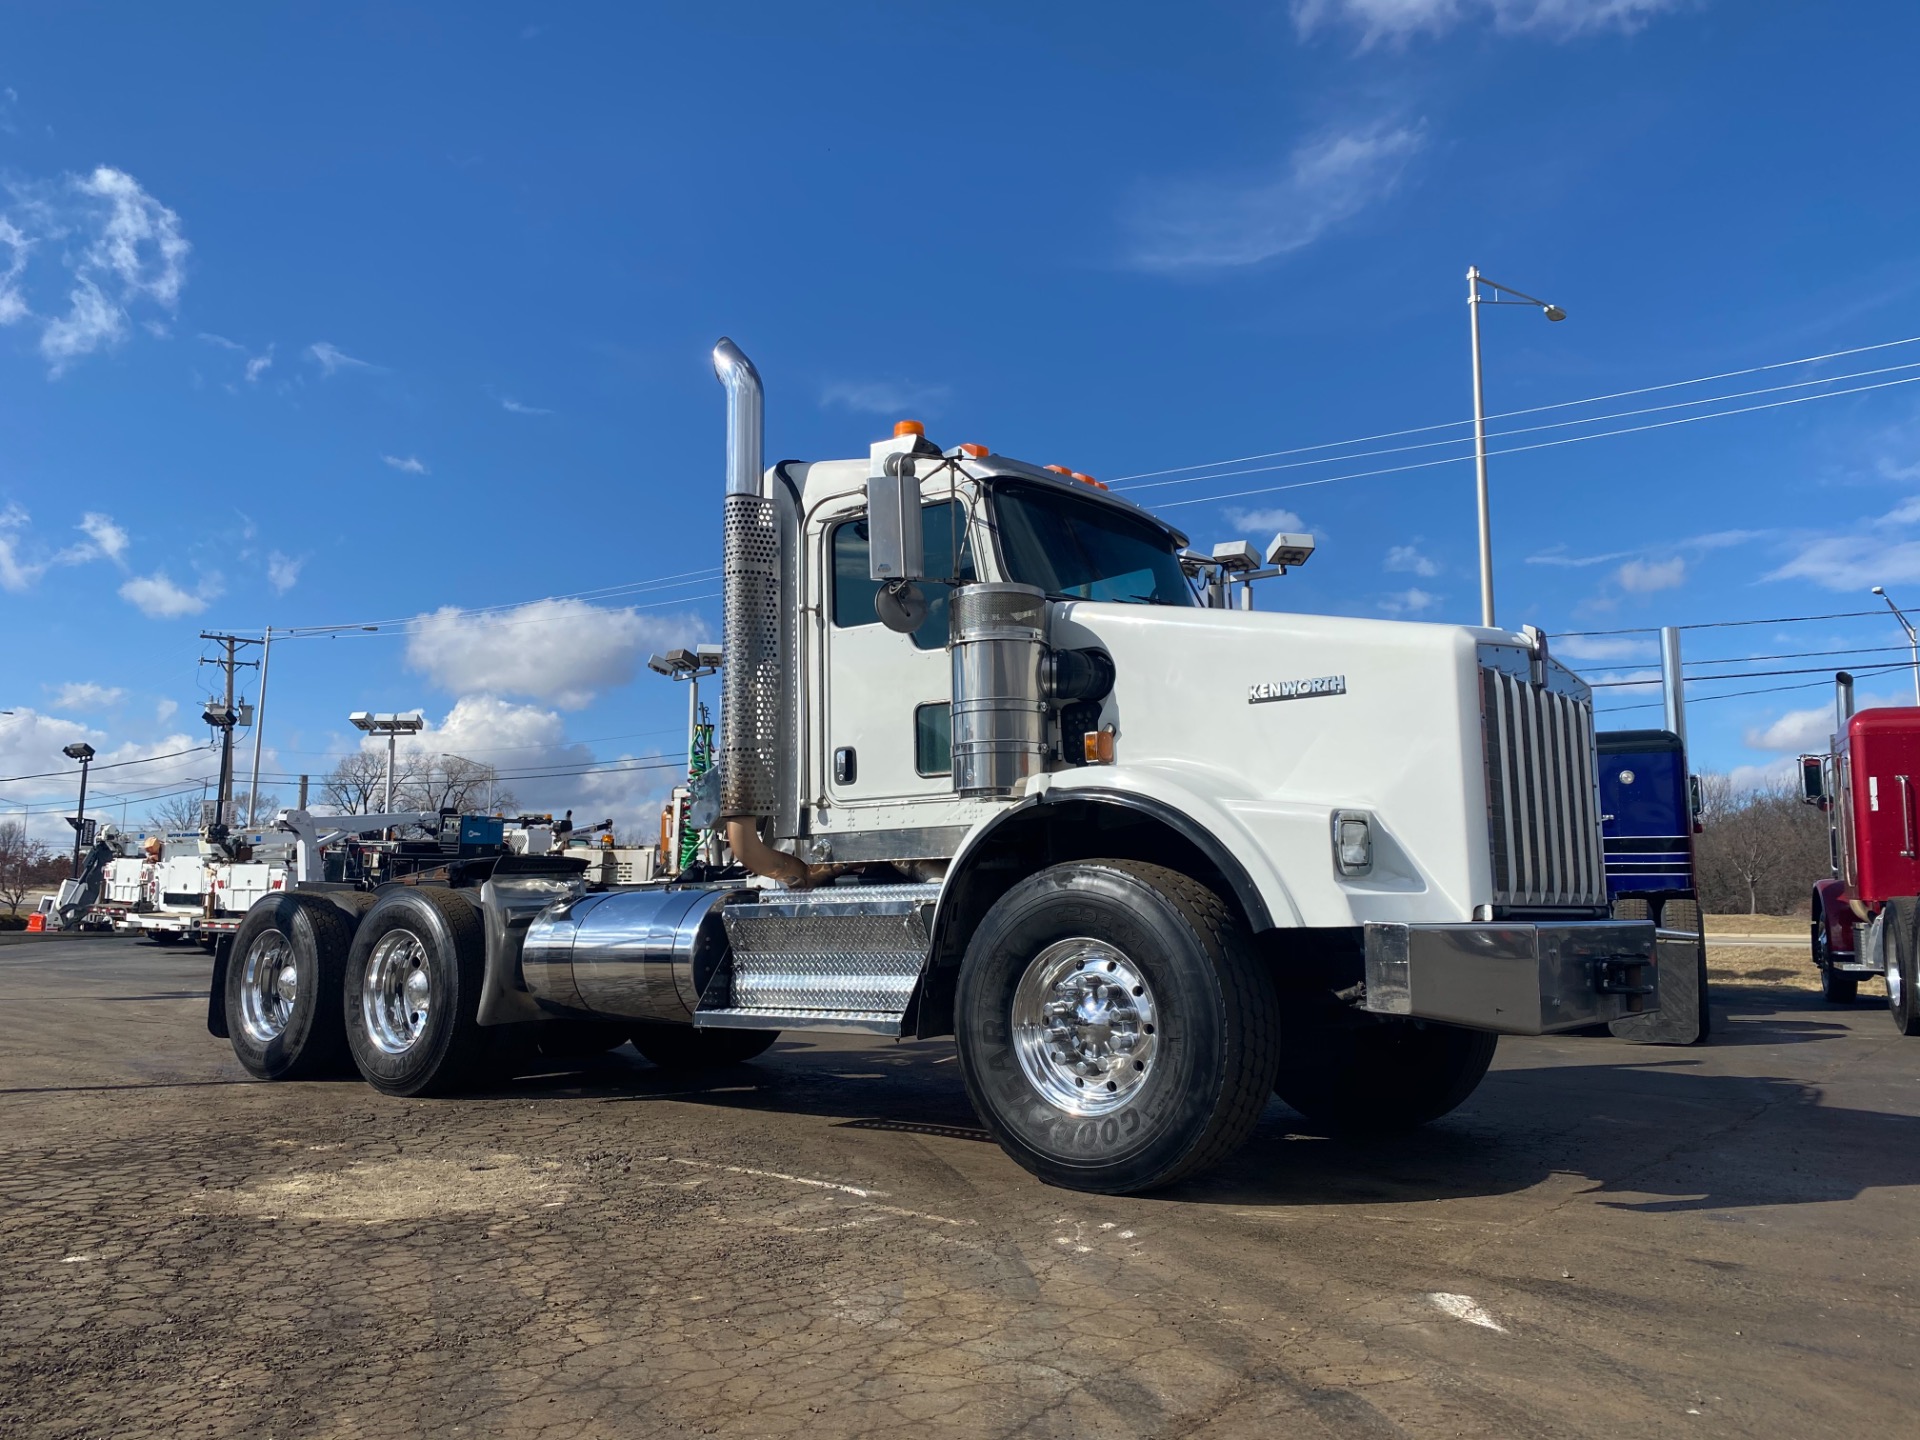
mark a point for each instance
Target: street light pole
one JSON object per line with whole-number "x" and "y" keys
{"x": 1475, "y": 280}
{"x": 82, "y": 752}
{"x": 1913, "y": 638}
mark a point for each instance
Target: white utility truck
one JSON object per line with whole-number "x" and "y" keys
{"x": 998, "y": 761}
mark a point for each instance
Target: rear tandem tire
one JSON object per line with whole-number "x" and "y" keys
{"x": 282, "y": 988}
{"x": 412, "y": 993}
{"x": 1115, "y": 1031}
{"x": 1389, "y": 1075}
{"x": 1903, "y": 966}
{"x": 681, "y": 1047}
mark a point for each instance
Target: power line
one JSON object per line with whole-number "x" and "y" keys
{"x": 1530, "y": 410}
{"x": 1532, "y": 429}
{"x": 1718, "y": 624}
{"x": 115, "y": 765}
{"x": 1523, "y": 449}
{"x": 1756, "y": 674}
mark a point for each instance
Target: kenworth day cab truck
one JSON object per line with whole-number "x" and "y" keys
{"x": 1864, "y": 913}
{"x": 990, "y": 767}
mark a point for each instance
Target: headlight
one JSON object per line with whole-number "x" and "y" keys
{"x": 1352, "y": 842}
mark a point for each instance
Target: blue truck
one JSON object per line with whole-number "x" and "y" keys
{"x": 1648, "y": 809}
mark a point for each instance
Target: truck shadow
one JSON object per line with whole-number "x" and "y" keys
{"x": 1648, "y": 1129}
{"x": 1652, "y": 1136}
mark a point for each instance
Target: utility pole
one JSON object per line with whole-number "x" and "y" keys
{"x": 224, "y": 717}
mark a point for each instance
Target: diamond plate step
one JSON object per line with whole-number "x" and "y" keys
{"x": 846, "y": 951}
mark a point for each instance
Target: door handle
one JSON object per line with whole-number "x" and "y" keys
{"x": 1906, "y": 816}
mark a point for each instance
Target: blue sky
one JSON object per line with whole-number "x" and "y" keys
{"x": 394, "y": 314}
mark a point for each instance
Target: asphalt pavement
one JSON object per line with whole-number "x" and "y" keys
{"x": 1607, "y": 1240}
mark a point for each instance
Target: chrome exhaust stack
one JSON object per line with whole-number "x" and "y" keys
{"x": 1842, "y": 703}
{"x": 754, "y": 699}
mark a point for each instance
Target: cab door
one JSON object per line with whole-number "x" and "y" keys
{"x": 888, "y": 694}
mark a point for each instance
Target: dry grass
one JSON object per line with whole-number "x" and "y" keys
{"x": 1757, "y": 925}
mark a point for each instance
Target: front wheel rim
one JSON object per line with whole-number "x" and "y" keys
{"x": 1896, "y": 982}
{"x": 1085, "y": 1026}
{"x": 269, "y": 987}
{"x": 396, "y": 998}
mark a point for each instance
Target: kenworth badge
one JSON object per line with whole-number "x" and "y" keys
{"x": 1296, "y": 689}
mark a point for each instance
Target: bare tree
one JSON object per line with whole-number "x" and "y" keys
{"x": 180, "y": 812}
{"x": 453, "y": 782}
{"x": 255, "y": 810}
{"x": 358, "y": 784}
{"x": 1761, "y": 850}
{"x": 23, "y": 864}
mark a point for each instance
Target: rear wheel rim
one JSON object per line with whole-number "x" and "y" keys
{"x": 1085, "y": 1026}
{"x": 1896, "y": 983}
{"x": 396, "y": 997}
{"x": 269, "y": 987}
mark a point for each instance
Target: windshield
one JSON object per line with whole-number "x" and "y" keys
{"x": 1080, "y": 548}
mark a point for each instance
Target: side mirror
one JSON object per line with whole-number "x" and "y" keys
{"x": 896, "y": 549}
{"x": 1813, "y": 780}
{"x": 901, "y": 606}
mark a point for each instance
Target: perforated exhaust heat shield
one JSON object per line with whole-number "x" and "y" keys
{"x": 751, "y": 695}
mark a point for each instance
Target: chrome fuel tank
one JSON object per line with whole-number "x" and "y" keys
{"x": 626, "y": 954}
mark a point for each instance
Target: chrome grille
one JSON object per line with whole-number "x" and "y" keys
{"x": 1543, "y": 812}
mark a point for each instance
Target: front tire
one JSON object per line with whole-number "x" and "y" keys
{"x": 1835, "y": 988}
{"x": 413, "y": 992}
{"x": 1903, "y": 967}
{"x": 282, "y": 991}
{"x": 1114, "y": 1030}
{"x": 1381, "y": 1076}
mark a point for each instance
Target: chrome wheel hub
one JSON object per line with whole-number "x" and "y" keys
{"x": 1896, "y": 982}
{"x": 1084, "y": 1027}
{"x": 269, "y": 987}
{"x": 397, "y": 995}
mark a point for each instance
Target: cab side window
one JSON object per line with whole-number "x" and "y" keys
{"x": 853, "y": 591}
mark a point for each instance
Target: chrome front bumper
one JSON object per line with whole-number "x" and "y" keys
{"x": 1517, "y": 979}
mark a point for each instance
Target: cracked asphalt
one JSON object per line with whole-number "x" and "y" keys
{"x": 1607, "y": 1240}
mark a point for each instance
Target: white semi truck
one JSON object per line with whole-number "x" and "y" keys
{"x": 997, "y": 762}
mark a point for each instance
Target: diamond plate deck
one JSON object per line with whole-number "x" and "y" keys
{"x": 850, "y": 949}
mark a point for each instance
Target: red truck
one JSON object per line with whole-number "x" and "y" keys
{"x": 1864, "y": 914}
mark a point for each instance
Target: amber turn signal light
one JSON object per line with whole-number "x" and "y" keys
{"x": 1097, "y": 745}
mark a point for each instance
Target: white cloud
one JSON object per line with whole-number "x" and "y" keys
{"x": 1744, "y": 778}
{"x": 1628, "y": 680}
{"x": 16, "y": 574}
{"x": 1198, "y": 225}
{"x": 1407, "y": 559}
{"x": 258, "y": 365}
{"x": 120, "y": 246}
{"x": 91, "y": 322}
{"x": 408, "y": 465}
{"x": 1602, "y": 647}
{"x": 1644, "y": 577}
{"x": 108, "y": 538}
{"x": 164, "y": 711}
{"x": 559, "y": 651}
{"x": 283, "y": 571}
{"x": 85, "y": 696}
{"x": 1274, "y": 521}
{"x": 158, "y": 598}
{"x": 1413, "y": 601}
{"x": 1398, "y": 20}
{"x": 529, "y": 739}
{"x": 332, "y": 358}
{"x": 31, "y": 742}
{"x": 514, "y": 407}
{"x": 13, "y": 305}
{"x": 886, "y": 397}
{"x": 1795, "y": 732}
{"x": 1862, "y": 560}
